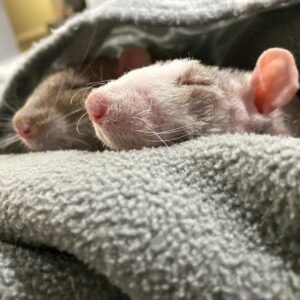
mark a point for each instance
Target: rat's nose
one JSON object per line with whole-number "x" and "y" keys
{"x": 23, "y": 128}
{"x": 96, "y": 107}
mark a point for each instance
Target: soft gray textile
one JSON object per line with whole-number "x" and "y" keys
{"x": 28, "y": 273}
{"x": 214, "y": 218}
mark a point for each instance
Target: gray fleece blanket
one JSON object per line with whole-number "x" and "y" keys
{"x": 213, "y": 218}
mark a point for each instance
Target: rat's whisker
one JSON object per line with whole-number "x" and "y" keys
{"x": 78, "y": 123}
{"x": 5, "y": 116}
{"x": 106, "y": 81}
{"x": 98, "y": 83}
{"x": 63, "y": 117}
{"x": 73, "y": 76}
{"x": 73, "y": 139}
{"x": 6, "y": 125}
{"x": 151, "y": 127}
{"x": 96, "y": 75}
{"x": 93, "y": 84}
{"x": 175, "y": 138}
{"x": 10, "y": 106}
{"x": 101, "y": 72}
{"x": 75, "y": 94}
{"x": 8, "y": 141}
{"x": 83, "y": 98}
{"x": 146, "y": 110}
{"x": 60, "y": 89}
{"x": 177, "y": 129}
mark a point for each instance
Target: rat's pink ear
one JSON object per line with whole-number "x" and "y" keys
{"x": 133, "y": 58}
{"x": 274, "y": 79}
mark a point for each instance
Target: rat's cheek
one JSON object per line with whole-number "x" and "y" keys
{"x": 105, "y": 137}
{"x": 126, "y": 123}
{"x": 98, "y": 132}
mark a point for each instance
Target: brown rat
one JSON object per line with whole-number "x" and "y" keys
{"x": 181, "y": 99}
{"x": 53, "y": 117}
{"x": 49, "y": 119}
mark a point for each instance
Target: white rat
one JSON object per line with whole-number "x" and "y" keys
{"x": 181, "y": 99}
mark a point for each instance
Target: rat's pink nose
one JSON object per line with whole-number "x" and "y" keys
{"x": 96, "y": 107}
{"x": 23, "y": 128}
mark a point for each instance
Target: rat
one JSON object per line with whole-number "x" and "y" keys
{"x": 53, "y": 117}
{"x": 177, "y": 100}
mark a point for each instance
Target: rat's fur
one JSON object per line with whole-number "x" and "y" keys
{"x": 178, "y": 100}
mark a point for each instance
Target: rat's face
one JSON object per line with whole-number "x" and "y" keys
{"x": 162, "y": 104}
{"x": 180, "y": 99}
{"x": 51, "y": 118}
{"x": 165, "y": 103}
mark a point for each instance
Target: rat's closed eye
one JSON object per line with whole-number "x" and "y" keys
{"x": 193, "y": 73}
{"x": 191, "y": 79}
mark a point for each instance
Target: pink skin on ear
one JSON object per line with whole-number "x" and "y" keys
{"x": 133, "y": 58}
{"x": 275, "y": 80}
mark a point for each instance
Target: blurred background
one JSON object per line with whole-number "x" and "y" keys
{"x": 23, "y": 22}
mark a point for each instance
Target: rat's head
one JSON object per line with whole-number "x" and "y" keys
{"x": 176, "y": 100}
{"x": 151, "y": 105}
{"x": 49, "y": 120}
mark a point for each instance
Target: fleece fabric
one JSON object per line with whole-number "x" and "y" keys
{"x": 214, "y": 218}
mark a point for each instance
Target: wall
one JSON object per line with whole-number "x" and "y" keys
{"x": 30, "y": 18}
{"x": 8, "y": 45}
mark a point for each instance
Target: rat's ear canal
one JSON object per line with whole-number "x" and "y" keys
{"x": 275, "y": 80}
{"x": 133, "y": 58}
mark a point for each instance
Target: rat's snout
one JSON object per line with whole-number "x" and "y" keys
{"x": 96, "y": 106}
{"x": 122, "y": 116}
{"x": 40, "y": 130}
{"x": 23, "y": 127}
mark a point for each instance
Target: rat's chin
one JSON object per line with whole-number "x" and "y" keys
{"x": 30, "y": 145}
{"x": 104, "y": 138}
{"x": 118, "y": 140}
{"x": 42, "y": 145}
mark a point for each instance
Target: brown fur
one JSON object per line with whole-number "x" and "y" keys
{"x": 55, "y": 109}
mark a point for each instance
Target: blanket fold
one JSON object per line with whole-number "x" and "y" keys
{"x": 177, "y": 223}
{"x": 41, "y": 273}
